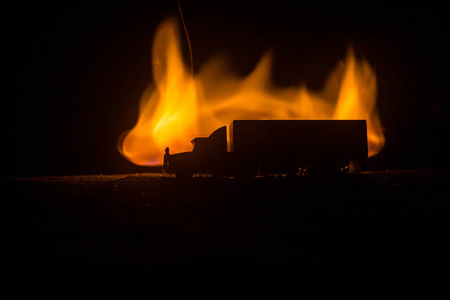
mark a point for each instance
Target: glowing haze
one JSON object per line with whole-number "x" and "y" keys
{"x": 178, "y": 107}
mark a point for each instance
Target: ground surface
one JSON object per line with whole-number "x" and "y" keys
{"x": 155, "y": 235}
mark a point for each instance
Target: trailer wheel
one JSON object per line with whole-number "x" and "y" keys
{"x": 245, "y": 174}
{"x": 217, "y": 174}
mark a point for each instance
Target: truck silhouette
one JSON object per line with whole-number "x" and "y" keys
{"x": 261, "y": 147}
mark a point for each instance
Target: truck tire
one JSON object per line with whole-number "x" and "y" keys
{"x": 184, "y": 174}
{"x": 183, "y": 168}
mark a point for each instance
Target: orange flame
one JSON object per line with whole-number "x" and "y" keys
{"x": 180, "y": 107}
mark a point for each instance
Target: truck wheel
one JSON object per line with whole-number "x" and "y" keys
{"x": 322, "y": 170}
{"x": 184, "y": 175}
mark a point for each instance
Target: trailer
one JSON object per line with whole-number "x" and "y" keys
{"x": 261, "y": 147}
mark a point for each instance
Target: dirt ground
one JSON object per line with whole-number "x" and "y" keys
{"x": 154, "y": 235}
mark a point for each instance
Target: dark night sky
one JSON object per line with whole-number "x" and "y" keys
{"x": 77, "y": 70}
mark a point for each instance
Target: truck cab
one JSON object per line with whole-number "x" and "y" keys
{"x": 207, "y": 155}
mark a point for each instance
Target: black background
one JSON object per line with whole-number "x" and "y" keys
{"x": 76, "y": 70}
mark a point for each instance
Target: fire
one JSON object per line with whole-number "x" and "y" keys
{"x": 180, "y": 106}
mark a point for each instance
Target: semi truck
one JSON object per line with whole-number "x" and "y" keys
{"x": 262, "y": 147}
